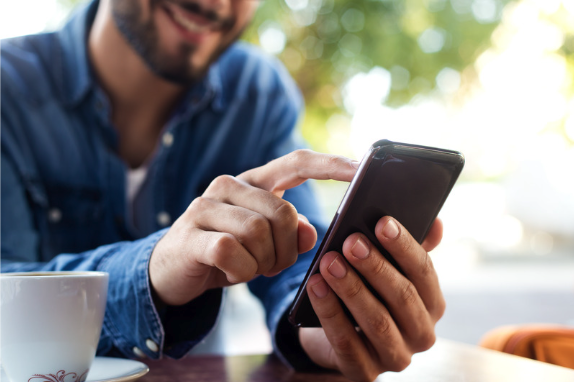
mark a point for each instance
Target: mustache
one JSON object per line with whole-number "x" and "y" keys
{"x": 196, "y": 8}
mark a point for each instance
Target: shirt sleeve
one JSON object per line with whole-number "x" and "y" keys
{"x": 132, "y": 324}
{"x": 277, "y": 293}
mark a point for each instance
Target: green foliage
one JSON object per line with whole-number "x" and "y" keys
{"x": 328, "y": 41}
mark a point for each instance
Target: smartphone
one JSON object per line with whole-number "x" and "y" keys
{"x": 405, "y": 181}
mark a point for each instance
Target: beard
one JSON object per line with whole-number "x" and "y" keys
{"x": 143, "y": 36}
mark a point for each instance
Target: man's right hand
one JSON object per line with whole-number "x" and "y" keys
{"x": 240, "y": 228}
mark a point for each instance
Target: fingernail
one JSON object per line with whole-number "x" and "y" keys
{"x": 337, "y": 268}
{"x": 355, "y": 163}
{"x": 320, "y": 289}
{"x": 360, "y": 250}
{"x": 391, "y": 229}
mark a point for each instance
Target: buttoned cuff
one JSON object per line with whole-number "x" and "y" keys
{"x": 132, "y": 322}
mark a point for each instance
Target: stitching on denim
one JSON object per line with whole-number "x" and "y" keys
{"x": 117, "y": 338}
{"x": 157, "y": 328}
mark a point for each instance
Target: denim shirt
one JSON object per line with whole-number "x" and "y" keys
{"x": 64, "y": 186}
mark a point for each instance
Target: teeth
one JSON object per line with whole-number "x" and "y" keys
{"x": 188, "y": 24}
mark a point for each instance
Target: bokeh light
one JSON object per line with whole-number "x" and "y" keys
{"x": 491, "y": 78}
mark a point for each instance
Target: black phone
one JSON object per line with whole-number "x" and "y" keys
{"x": 405, "y": 181}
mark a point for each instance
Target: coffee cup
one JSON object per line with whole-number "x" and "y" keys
{"x": 50, "y": 324}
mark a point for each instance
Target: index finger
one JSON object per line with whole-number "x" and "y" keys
{"x": 295, "y": 168}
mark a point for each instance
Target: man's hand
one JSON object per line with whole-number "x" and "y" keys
{"x": 240, "y": 228}
{"x": 389, "y": 334}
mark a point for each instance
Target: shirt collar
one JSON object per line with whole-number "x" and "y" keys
{"x": 77, "y": 76}
{"x": 76, "y": 73}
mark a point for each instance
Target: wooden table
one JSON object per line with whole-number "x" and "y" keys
{"x": 446, "y": 361}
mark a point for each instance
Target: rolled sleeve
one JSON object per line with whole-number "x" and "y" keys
{"x": 131, "y": 322}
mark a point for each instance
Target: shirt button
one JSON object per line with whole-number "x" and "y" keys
{"x": 151, "y": 345}
{"x": 167, "y": 139}
{"x": 163, "y": 219}
{"x": 137, "y": 351}
{"x": 54, "y": 215}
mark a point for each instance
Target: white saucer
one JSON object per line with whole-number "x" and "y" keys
{"x": 106, "y": 369}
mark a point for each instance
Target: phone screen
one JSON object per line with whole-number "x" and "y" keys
{"x": 407, "y": 182}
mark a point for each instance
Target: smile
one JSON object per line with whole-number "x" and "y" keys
{"x": 191, "y": 22}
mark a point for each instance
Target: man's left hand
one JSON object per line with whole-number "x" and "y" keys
{"x": 389, "y": 334}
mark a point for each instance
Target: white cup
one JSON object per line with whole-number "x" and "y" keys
{"x": 50, "y": 324}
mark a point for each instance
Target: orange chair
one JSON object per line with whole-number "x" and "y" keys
{"x": 546, "y": 343}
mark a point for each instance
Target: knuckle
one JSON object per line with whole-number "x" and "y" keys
{"x": 299, "y": 155}
{"x": 354, "y": 288}
{"x": 249, "y": 271}
{"x": 426, "y": 340}
{"x": 198, "y": 204}
{"x": 331, "y": 161}
{"x": 286, "y": 261}
{"x": 257, "y": 226}
{"x": 422, "y": 336}
{"x": 382, "y": 269}
{"x": 223, "y": 247}
{"x": 291, "y": 260}
{"x": 243, "y": 276}
{"x": 407, "y": 245}
{"x": 401, "y": 361}
{"x": 286, "y": 214}
{"x": 243, "y": 272}
{"x": 397, "y": 360}
{"x": 344, "y": 347}
{"x": 409, "y": 294}
{"x": 380, "y": 325}
{"x": 329, "y": 313}
{"x": 226, "y": 256}
{"x": 427, "y": 267}
{"x": 224, "y": 182}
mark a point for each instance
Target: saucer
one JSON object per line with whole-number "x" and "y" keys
{"x": 106, "y": 369}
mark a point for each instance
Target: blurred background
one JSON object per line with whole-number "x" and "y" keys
{"x": 493, "y": 79}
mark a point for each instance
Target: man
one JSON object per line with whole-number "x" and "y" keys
{"x": 127, "y": 121}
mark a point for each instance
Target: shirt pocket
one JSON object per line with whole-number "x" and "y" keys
{"x": 72, "y": 221}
